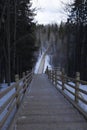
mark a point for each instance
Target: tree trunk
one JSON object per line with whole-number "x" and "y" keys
{"x": 14, "y": 55}
{"x": 8, "y": 42}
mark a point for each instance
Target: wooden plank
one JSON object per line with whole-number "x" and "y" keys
{"x": 14, "y": 99}
{"x": 45, "y": 108}
{"x": 73, "y": 103}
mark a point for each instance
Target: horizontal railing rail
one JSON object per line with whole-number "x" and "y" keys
{"x": 11, "y": 97}
{"x": 69, "y": 86}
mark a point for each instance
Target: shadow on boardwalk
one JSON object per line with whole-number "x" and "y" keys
{"x": 44, "y": 108}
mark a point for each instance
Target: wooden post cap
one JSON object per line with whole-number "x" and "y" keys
{"x": 23, "y": 74}
{"x": 16, "y": 77}
{"x": 27, "y": 72}
{"x": 77, "y": 74}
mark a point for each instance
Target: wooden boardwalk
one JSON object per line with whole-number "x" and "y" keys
{"x": 44, "y": 108}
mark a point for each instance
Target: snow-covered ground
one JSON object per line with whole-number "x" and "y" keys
{"x": 84, "y": 87}
{"x": 3, "y": 100}
{"x": 47, "y": 60}
{"x": 84, "y": 96}
{"x": 38, "y": 63}
{"x": 5, "y": 85}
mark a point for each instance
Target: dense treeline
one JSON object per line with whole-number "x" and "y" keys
{"x": 17, "y": 38}
{"x": 55, "y": 35}
{"x": 77, "y": 24}
{"x": 69, "y": 40}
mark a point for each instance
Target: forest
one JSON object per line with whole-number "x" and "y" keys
{"x": 17, "y": 38}
{"x": 69, "y": 40}
{"x": 21, "y": 38}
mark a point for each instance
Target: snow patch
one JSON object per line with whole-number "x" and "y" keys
{"x": 84, "y": 96}
{"x": 47, "y": 62}
{"x": 37, "y": 64}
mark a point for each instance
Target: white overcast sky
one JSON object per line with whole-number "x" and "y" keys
{"x": 50, "y": 11}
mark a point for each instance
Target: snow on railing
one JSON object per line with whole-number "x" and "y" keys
{"x": 74, "y": 88}
{"x": 11, "y": 97}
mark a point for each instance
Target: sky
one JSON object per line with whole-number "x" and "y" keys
{"x": 50, "y": 11}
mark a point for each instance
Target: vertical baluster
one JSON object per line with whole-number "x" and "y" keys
{"x": 63, "y": 80}
{"x": 17, "y": 91}
{"x": 77, "y": 86}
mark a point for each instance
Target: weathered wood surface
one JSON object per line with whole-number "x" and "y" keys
{"x": 44, "y": 108}
{"x": 71, "y": 85}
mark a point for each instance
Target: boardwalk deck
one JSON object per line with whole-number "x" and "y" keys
{"x": 44, "y": 108}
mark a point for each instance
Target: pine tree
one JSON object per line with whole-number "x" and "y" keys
{"x": 78, "y": 18}
{"x": 17, "y": 37}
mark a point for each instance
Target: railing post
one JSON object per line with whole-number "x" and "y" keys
{"x": 23, "y": 74}
{"x": 55, "y": 77}
{"x": 77, "y": 86}
{"x": 16, "y": 77}
{"x": 32, "y": 74}
{"x": 48, "y": 73}
{"x": 51, "y": 75}
{"x": 16, "y": 88}
{"x": 47, "y": 70}
{"x": 24, "y": 81}
{"x": 63, "y": 80}
{"x": 27, "y": 72}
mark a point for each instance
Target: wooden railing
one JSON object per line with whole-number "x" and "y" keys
{"x": 69, "y": 87}
{"x": 12, "y": 96}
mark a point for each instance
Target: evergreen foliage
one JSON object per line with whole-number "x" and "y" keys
{"x": 17, "y": 38}
{"x": 69, "y": 44}
{"x": 78, "y": 19}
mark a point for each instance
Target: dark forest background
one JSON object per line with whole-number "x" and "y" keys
{"x": 69, "y": 40}
{"x": 20, "y": 39}
{"x": 17, "y": 38}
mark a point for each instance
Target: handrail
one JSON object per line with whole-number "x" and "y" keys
{"x": 14, "y": 95}
{"x": 61, "y": 81}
